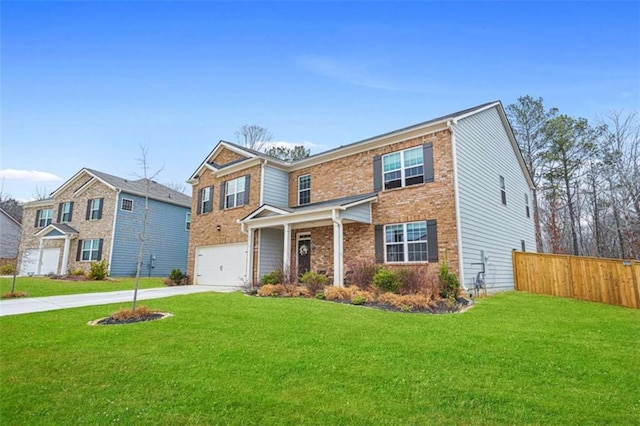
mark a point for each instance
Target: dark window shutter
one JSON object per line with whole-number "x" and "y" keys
{"x": 377, "y": 173}
{"x": 59, "y": 212}
{"x": 247, "y": 187}
{"x": 100, "y": 208}
{"x": 70, "y": 211}
{"x": 379, "y": 238}
{"x": 37, "y": 218}
{"x": 79, "y": 253}
{"x": 222, "y": 195}
{"x": 432, "y": 240}
{"x": 88, "y": 210}
{"x": 100, "y": 249}
{"x": 199, "y": 206}
{"x": 427, "y": 154}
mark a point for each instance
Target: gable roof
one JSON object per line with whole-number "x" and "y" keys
{"x": 13, "y": 219}
{"x": 369, "y": 143}
{"x": 138, "y": 187}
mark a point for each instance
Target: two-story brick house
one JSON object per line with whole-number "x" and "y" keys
{"x": 454, "y": 186}
{"x": 96, "y": 216}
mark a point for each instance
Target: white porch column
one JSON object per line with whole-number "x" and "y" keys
{"x": 286, "y": 251}
{"x": 338, "y": 255}
{"x": 65, "y": 255}
{"x": 40, "y": 250}
{"x": 250, "y": 243}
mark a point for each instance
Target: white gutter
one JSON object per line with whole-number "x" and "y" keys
{"x": 113, "y": 230}
{"x": 450, "y": 126}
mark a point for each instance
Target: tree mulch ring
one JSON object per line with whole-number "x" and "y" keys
{"x": 439, "y": 306}
{"x": 113, "y": 321}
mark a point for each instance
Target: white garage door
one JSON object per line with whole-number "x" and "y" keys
{"x": 50, "y": 258}
{"x": 222, "y": 265}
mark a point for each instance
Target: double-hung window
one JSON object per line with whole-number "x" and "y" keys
{"x": 94, "y": 209}
{"x": 234, "y": 193}
{"x": 304, "y": 189}
{"x": 503, "y": 190}
{"x": 187, "y": 221}
{"x": 206, "y": 200}
{"x": 91, "y": 250}
{"x": 403, "y": 168}
{"x": 45, "y": 217}
{"x": 66, "y": 212}
{"x": 406, "y": 242}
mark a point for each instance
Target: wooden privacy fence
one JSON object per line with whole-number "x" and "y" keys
{"x": 612, "y": 281}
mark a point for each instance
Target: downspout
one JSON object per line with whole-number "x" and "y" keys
{"x": 456, "y": 196}
{"x": 338, "y": 255}
{"x": 113, "y": 231}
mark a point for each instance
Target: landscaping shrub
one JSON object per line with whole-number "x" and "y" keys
{"x": 176, "y": 277}
{"x": 7, "y": 269}
{"x": 314, "y": 281}
{"x": 128, "y": 314}
{"x": 358, "y": 300}
{"x": 320, "y": 295}
{"x": 98, "y": 270}
{"x": 361, "y": 273}
{"x": 449, "y": 284}
{"x": 419, "y": 280}
{"x": 273, "y": 290}
{"x": 387, "y": 281}
{"x": 77, "y": 272}
{"x": 406, "y": 302}
{"x": 14, "y": 295}
{"x": 272, "y": 278}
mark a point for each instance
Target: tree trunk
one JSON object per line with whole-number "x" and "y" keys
{"x": 616, "y": 217}
{"x": 572, "y": 218}
{"x": 536, "y": 221}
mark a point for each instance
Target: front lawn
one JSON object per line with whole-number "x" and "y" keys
{"x": 232, "y": 359}
{"x": 39, "y": 286}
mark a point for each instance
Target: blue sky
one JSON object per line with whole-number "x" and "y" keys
{"x": 85, "y": 83}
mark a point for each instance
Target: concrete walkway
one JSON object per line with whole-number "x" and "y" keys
{"x": 28, "y": 305}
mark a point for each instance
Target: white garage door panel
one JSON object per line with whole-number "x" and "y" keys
{"x": 50, "y": 258}
{"x": 222, "y": 265}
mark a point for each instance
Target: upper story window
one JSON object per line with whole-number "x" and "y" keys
{"x": 526, "y": 205}
{"x": 126, "y": 205}
{"x": 406, "y": 242}
{"x": 403, "y": 168}
{"x": 503, "y": 190}
{"x": 44, "y": 217}
{"x": 94, "y": 209}
{"x": 65, "y": 211}
{"x": 304, "y": 189}
{"x": 234, "y": 193}
{"x": 205, "y": 200}
{"x": 187, "y": 221}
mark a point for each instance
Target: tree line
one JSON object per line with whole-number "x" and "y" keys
{"x": 586, "y": 199}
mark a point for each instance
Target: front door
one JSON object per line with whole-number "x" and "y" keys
{"x": 304, "y": 256}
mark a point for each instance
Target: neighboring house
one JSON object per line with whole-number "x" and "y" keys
{"x": 454, "y": 188}
{"x": 96, "y": 216}
{"x": 9, "y": 237}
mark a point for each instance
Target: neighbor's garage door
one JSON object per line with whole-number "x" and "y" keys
{"x": 50, "y": 258}
{"x": 222, "y": 265}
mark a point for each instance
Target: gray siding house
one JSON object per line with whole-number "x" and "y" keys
{"x": 97, "y": 216}
{"x": 9, "y": 236}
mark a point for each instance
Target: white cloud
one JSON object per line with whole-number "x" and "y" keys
{"x": 29, "y": 175}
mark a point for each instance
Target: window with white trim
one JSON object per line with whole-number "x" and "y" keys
{"x": 94, "y": 209}
{"x": 406, "y": 242}
{"x": 234, "y": 193}
{"x": 403, "y": 168}
{"x": 90, "y": 250}
{"x": 206, "y": 201}
{"x": 126, "y": 205}
{"x": 187, "y": 221}
{"x": 66, "y": 212}
{"x": 46, "y": 217}
{"x": 304, "y": 189}
{"x": 526, "y": 205}
{"x": 503, "y": 191}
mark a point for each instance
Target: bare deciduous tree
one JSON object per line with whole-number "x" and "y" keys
{"x": 253, "y": 136}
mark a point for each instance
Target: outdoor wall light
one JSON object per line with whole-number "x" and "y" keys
{"x": 218, "y": 227}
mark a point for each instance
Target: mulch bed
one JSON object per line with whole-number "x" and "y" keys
{"x": 440, "y": 306}
{"x": 113, "y": 321}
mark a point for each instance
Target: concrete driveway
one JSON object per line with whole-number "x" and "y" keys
{"x": 28, "y": 305}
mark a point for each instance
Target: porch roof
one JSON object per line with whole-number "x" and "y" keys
{"x": 56, "y": 229}
{"x": 267, "y": 215}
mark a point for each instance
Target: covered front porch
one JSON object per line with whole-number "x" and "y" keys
{"x": 305, "y": 238}
{"x": 39, "y": 261}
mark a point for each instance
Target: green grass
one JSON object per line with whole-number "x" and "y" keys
{"x": 231, "y": 359}
{"x": 39, "y": 287}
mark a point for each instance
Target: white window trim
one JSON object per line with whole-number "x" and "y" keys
{"x": 90, "y": 251}
{"x": 65, "y": 205}
{"x": 47, "y": 220}
{"x": 405, "y": 243}
{"x": 205, "y": 196}
{"x": 187, "y": 220}
{"x": 403, "y": 167}
{"x": 122, "y": 205}
{"x": 235, "y": 193}
{"x": 300, "y": 191}
{"x": 95, "y": 207}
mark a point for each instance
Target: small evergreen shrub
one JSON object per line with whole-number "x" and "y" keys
{"x": 314, "y": 281}
{"x": 176, "y": 277}
{"x": 449, "y": 284}
{"x": 358, "y": 300}
{"x": 7, "y": 269}
{"x": 272, "y": 278}
{"x": 77, "y": 272}
{"x": 98, "y": 270}
{"x": 387, "y": 281}
{"x": 320, "y": 295}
